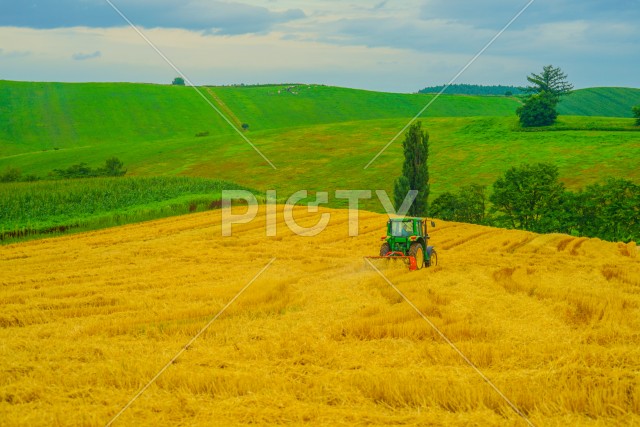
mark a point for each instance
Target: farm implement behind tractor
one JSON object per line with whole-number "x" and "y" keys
{"x": 407, "y": 240}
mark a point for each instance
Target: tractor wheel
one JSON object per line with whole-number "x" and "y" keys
{"x": 385, "y": 249}
{"x": 433, "y": 259}
{"x": 417, "y": 252}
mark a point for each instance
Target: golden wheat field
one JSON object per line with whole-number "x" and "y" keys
{"x": 320, "y": 338}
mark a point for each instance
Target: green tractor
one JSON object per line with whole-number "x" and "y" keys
{"x": 407, "y": 239}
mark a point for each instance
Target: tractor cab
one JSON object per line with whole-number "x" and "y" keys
{"x": 407, "y": 227}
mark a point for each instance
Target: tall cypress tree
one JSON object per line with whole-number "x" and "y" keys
{"x": 415, "y": 170}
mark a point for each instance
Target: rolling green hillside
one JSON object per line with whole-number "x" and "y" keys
{"x": 49, "y": 116}
{"x": 40, "y": 116}
{"x": 273, "y": 107}
{"x": 600, "y": 101}
{"x": 319, "y": 138}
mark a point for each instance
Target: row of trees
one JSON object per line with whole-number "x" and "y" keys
{"x": 112, "y": 167}
{"x": 468, "y": 89}
{"x": 531, "y": 197}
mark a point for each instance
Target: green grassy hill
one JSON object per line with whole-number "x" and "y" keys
{"x": 319, "y": 138}
{"x": 273, "y": 107}
{"x": 49, "y": 116}
{"x": 601, "y": 101}
{"x": 43, "y": 116}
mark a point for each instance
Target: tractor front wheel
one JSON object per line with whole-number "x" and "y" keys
{"x": 417, "y": 252}
{"x": 433, "y": 259}
{"x": 385, "y": 249}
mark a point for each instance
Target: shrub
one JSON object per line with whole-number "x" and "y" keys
{"x": 636, "y": 114}
{"x": 468, "y": 205}
{"x": 113, "y": 167}
{"x": 11, "y": 175}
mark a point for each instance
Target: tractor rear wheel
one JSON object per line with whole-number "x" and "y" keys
{"x": 433, "y": 259}
{"x": 416, "y": 251}
{"x": 385, "y": 249}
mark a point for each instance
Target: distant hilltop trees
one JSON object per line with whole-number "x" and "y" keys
{"x": 465, "y": 89}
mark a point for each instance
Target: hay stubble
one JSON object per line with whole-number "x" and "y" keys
{"x": 88, "y": 319}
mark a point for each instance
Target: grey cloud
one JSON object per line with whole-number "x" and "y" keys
{"x": 426, "y": 36}
{"x": 460, "y": 26}
{"x": 198, "y": 15}
{"x": 496, "y": 13}
{"x": 14, "y": 54}
{"x": 47, "y": 14}
{"x": 380, "y": 5}
{"x": 567, "y": 38}
{"x": 483, "y": 14}
{"x": 86, "y": 56}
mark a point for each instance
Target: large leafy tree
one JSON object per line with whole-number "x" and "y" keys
{"x": 415, "y": 170}
{"x": 546, "y": 88}
{"x": 528, "y": 197}
{"x": 552, "y": 80}
{"x": 609, "y": 210}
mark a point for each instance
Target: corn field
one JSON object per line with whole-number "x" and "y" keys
{"x": 28, "y": 209}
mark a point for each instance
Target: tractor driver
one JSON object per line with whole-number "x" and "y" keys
{"x": 407, "y": 229}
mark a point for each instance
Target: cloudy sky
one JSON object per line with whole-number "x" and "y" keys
{"x": 390, "y": 45}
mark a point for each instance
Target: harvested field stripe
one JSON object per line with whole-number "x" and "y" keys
{"x": 467, "y": 239}
{"x": 453, "y": 346}
{"x": 186, "y": 346}
{"x": 578, "y": 244}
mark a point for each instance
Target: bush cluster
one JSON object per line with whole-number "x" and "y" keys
{"x": 531, "y": 197}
